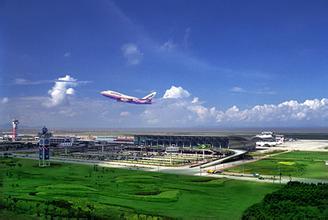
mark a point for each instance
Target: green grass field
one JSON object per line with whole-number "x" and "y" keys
{"x": 258, "y": 154}
{"x": 119, "y": 193}
{"x": 297, "y": 164}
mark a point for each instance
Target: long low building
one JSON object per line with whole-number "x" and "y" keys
{"x": 180, "y": 140}
{"x": 193, "y": 141}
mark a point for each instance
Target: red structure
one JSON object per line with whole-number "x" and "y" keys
{"x": 15, "y": 124}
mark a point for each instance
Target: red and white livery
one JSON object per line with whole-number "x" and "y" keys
{"x": 128, "y": 99}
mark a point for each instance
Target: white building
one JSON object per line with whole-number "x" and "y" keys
{"x": 269, "y": 139}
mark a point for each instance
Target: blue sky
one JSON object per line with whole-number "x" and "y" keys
{"x": 231, "y": 55}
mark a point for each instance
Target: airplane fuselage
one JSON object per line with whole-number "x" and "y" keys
{"x": 125, "y": 98}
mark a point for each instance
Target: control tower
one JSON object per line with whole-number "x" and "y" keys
{"x": 15, "y": 123}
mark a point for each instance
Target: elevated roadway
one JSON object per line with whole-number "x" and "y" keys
{"x": 236, "y": 154}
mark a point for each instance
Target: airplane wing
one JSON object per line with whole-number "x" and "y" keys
{"x": 150, "y": 96}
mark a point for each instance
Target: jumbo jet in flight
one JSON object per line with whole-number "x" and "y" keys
{"x": 128, "y": 99}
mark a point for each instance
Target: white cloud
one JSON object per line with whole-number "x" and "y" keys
{"x": 150, "y": 117}
{"x": 132, "y": 53}
{"x": 22, "y": 81}
{"x": 60, "y": 91}
{"x": 195, "y": 100}
{"x": 124, "y": 114}
{"x": 67, "y": 78}
{"x": 315, "y": 110}
{"x": 70, "y": 91}
{"x": 170, "y": 112}
{"x": 263, "y": 91}
{"x": 4, "y": 100}
{"x": 185, "y": 111}
{"x": 82, "y": 112}
{"x": 176, "y": 93}
{"x": 167, "y": 112}
{"x": 237, "y": 89}
{"x": 201, "y": 111}
{"x": 168, "y": 45}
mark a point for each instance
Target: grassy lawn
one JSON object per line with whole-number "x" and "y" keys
{"x": 119, "y": 193}
{"x": 258, "y": 154}
{"x": 297, "y": 164}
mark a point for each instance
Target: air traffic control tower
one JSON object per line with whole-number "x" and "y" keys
{"x": 15, "y": 123}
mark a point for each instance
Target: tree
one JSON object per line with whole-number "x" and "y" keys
{"x": 293, "y": 201}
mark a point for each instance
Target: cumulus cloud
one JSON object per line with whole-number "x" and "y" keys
{"x": 132, "y": 53}
{"x": 195, "y": 100}
{"x": 202, "y": 112}
{"x": 290, "y": 111}
{"x": 63, "y": 87}
{"x": 70, "y": 91}
{"x": 176, "y": 93}
{"x": 188, "y": 111}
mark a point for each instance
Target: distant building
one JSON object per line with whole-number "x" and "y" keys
{"x": 116, "y": 139}
{"x": 192, "y": 141}
{"x": 280, "y": 138}
{"x": 266, "y": 135}
{"x": 57, "y": 140}
{"x": 269, "y": 139}
{"x": 266, "y": 143}
{"x": 109, "y": 139}
{"x": 124, "y": 139}
{"x": 180, "y": 140}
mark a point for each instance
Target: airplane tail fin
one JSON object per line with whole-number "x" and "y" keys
{"x": 150, "y": 96}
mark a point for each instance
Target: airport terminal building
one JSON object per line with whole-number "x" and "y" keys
{"x": 180, "y": 140}
{"x": 192, "y": 141}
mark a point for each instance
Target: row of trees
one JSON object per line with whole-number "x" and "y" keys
{"x": 293, "y": 201}
{"x": 50, "y": 208}
{"x": 62, "y": 209}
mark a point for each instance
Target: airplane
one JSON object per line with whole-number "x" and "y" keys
{"x": 128, "y": 99}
